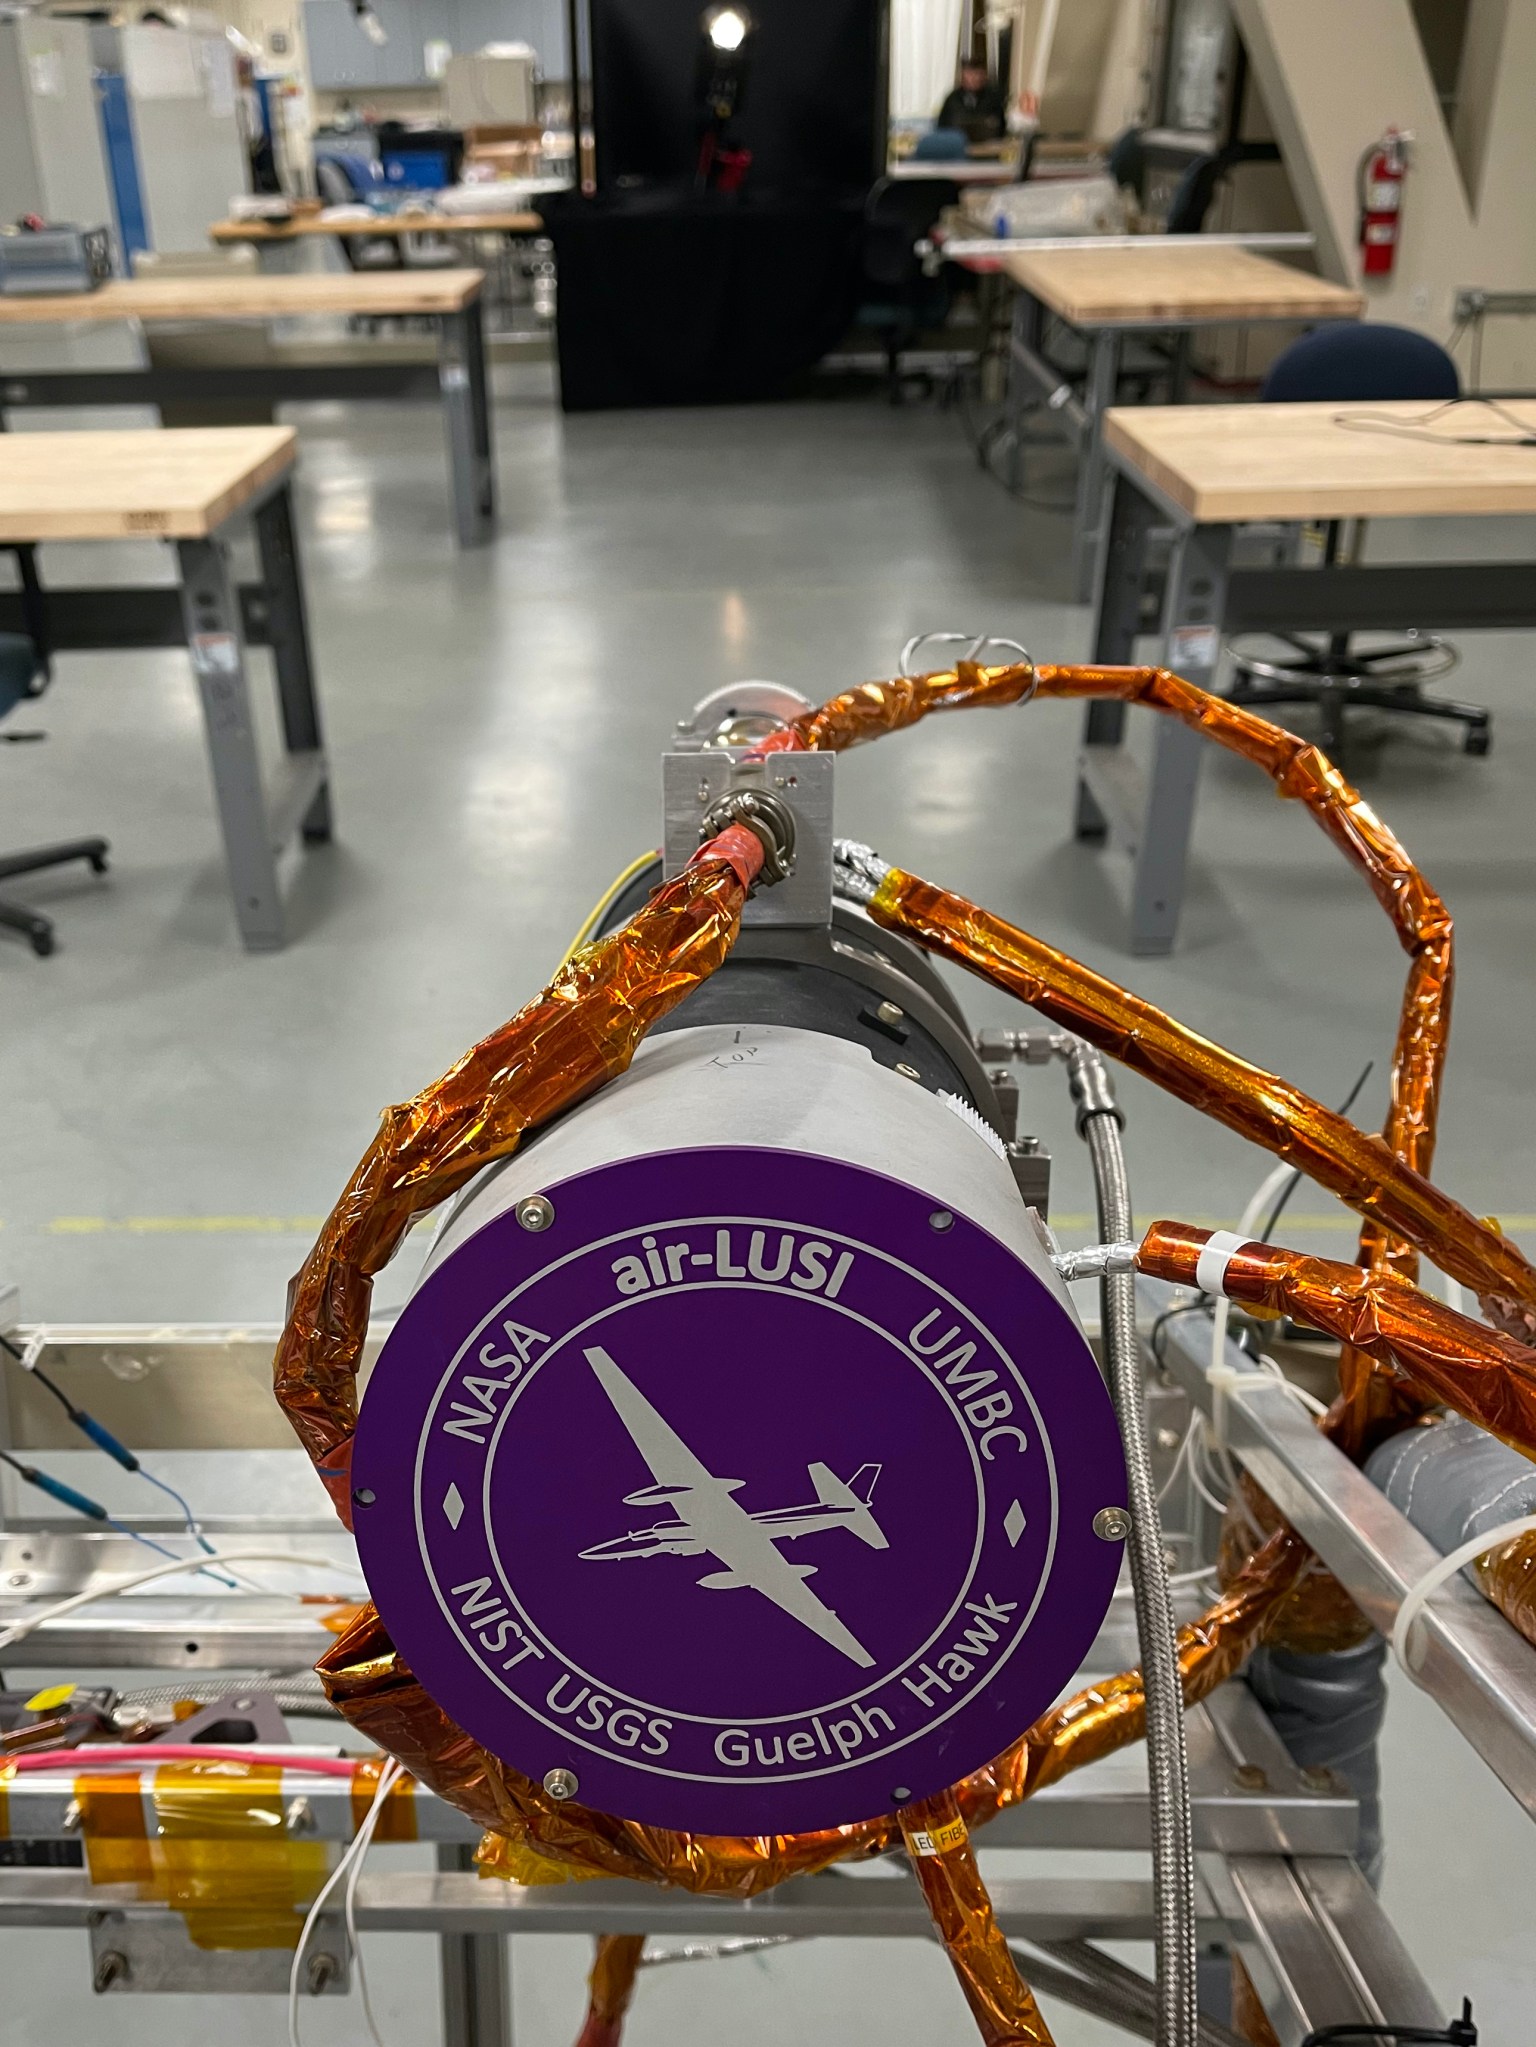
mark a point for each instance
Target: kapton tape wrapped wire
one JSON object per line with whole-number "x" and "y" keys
{"x": 1318, "y": 1616}
{"x": 1479, "y": 1371}
{"x": 1360, "y": 1169}
{"x": 1507, "y": 1576}
{"x": 610, "y": 1987}
{"x": 581, "y": 1032}
{"x": 943, "y": 1860}
{"x": 365, "y": 1676}
{"x": 1372, "y": 1405}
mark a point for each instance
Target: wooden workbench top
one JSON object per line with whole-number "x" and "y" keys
{"x": 1157, "y": 286}
{"x": 399, "y": 224}
{"x": 1228, "y": 463}
{"x": 253, "y": 296}
{"x": 181, "y": 483}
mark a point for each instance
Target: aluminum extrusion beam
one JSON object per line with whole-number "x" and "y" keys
{"x": 1476, "y": 1667}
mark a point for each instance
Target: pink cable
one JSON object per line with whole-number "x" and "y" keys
{"x": 146, "y": 1755}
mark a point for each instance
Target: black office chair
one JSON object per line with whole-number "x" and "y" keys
{"x": 25, "y": 671}
{"x": 1202, "y": 179}
{"x": 1354, "y": 363}
{"x": 898, "y": 299}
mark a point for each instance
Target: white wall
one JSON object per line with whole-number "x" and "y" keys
{"x": 1334, "y": 77}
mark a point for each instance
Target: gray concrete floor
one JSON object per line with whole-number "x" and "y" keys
{"x": 178, "y": 1116}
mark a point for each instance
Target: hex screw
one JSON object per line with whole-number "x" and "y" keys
{"x": 1112, "y": 1524}
{"x": 941, "y": 1220}
{"x": 321, "y": 1973}
{"x": 535, "y": 1212}
{"x": 112, "y": 1967}
{"x": 561, "y": 1783}
{"x": 891, "y": 1013}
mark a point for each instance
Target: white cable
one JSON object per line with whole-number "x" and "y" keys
{"x": 23, "y": 1627}
{"x": 1258, "y": 1205}
{"x": 352, "y": 1860}
{"x": 1416, "y": 1597}
{"x": 387, "y": 1778}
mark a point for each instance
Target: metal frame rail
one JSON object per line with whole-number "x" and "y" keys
{"x": 1279, "y": 1886}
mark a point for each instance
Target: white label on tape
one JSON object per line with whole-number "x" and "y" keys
{"x": 1194, "y": 646}
{"x": 1215, "y": 1257}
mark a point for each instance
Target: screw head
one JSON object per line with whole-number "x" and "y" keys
{"x": 1251, "y": 1777}
{"x": 907, "y": 1072}
{"x": 365, "y": 1496}
{"x": 1317, "y": 1777}
{"x": 901, "y": 1794}
{"x": 322, "y": 1971}
{"x": 111, "y": 1968}
{"x": 19, "y": 1578}
{"x": 941, "y": 1220}
{"x": 891, "y": 1013}
{"x": 535, "y": 1212}
{"x": 1111, "y": 1524}
{"x": 561, "y": 1783}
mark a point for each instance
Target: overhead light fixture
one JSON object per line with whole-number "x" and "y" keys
{"x": 727, "y": 27}
{"x": 369, "y": 23}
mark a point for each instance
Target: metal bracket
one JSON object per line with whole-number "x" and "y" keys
{"x": 693, "y": 782}
{"x": 153, "y": 1953}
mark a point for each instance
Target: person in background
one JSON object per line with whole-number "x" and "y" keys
{"x": 976, "y": 106}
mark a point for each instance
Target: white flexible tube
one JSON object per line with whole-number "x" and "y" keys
{"x": 1417, "y": 1596}
{"x": 19, "y": 1629}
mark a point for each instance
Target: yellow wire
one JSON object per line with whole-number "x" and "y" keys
{"x": 605, "y": 901}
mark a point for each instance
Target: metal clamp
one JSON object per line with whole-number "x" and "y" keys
{"x": 767, "y": 817}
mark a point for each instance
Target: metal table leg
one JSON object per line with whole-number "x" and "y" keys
{"x": 1192, "y": 648}
{"x": 466, "y": 403}
{"x": 288, "y": 632}
{"x": 1025, "y": 329}
{"x": 211, "y": 607}
{"x": 1116, "y": 624}
{"x": 1098, "y": 396}
{"x": 476, "y": 1975}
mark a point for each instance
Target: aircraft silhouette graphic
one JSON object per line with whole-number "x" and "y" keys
{"x": 710, "y": 1522}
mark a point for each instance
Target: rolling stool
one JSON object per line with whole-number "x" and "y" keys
{"x": 1364, "y": 362}
{"x": 23, "y": 658}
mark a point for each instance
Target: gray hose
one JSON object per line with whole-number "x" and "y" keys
{"x": 1173, "y": 1849}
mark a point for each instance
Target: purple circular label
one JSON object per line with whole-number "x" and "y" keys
{"x": 757, "y": 1514}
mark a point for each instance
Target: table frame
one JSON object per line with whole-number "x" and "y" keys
{"x": 216, "y": 620}
{"x": 459, "y": 377}
{"x": 1151, "y": 817}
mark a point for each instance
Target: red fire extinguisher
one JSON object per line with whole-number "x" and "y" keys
{"x": 1379, "y": 181}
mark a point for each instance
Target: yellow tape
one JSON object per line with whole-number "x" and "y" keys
{"x": 939, "y": 1840}
{"x": 51, "y": 1695}
{"x": 219, "y": 1853}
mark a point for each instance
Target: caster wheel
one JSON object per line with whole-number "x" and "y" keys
{"x": 1478, "y": 739}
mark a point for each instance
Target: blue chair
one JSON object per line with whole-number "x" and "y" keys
{"x": 25, "y": 671}
{"x": 1357, "y": 363}
{"x": 940, "y": 145}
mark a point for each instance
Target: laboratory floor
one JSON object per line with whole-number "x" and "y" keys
{"x": 179, "y": 1115}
